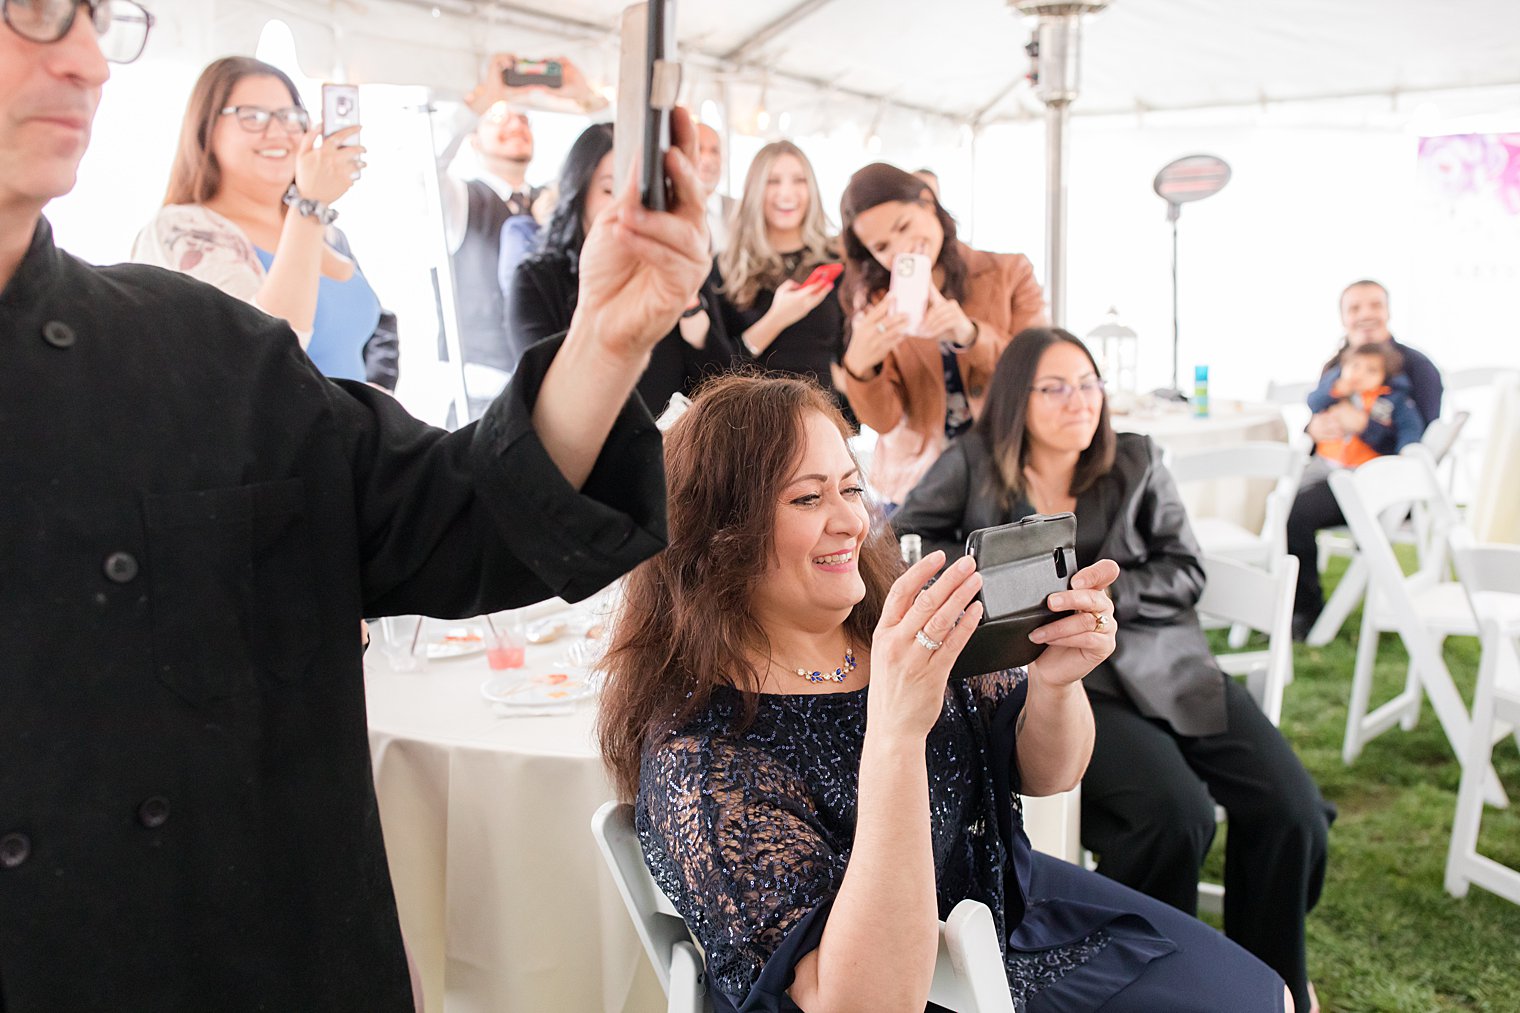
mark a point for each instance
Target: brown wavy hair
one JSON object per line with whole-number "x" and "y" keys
{"x": 196, "y": 177}
{"x": 1004, "y": 420}
{"x": 685, "y": 625}
{"x": 877, "y": 184}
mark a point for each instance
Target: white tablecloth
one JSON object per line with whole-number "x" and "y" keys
{"x": 504, "y": 899}
{"x": 1228, "y": 422}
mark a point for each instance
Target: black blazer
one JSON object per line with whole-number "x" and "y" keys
{"x": 542, "y": 300}
{"x": 194, "y": 522}
{"x": 1132, "y": 515}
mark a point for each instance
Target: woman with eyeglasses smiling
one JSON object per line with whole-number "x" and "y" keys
{"x": 249, "y": 210}
{"x": 1175, "y": 735}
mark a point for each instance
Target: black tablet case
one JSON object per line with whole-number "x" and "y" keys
{"x": 1021, "y": 565}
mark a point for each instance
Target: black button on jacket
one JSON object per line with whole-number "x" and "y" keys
{"x": 266, "y": 510}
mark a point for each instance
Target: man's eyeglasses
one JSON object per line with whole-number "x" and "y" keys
{"x": 255, "y": 119}
{"x": 121, "y": 25}
{"x": 1060, "y": 393}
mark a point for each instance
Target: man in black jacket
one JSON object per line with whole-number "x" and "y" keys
{"x": 192, "y": 521}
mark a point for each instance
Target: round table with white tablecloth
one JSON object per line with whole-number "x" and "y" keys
{"x": 504, "y": 900}
{"x": 1177, "y": 429}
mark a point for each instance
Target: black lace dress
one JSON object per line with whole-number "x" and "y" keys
{"x": 749, "y": 835}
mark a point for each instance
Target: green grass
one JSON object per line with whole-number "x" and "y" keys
{"x": 1386, "y": 937}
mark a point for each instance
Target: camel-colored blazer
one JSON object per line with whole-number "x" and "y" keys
{"x": 905, "y": 401}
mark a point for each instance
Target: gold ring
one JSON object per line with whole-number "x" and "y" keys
{"x": 1100, "y": 622}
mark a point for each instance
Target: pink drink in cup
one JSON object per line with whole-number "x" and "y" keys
{"x": 506, "y": 651}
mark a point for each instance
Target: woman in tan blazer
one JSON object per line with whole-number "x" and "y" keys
{"x": 921, "y": 391}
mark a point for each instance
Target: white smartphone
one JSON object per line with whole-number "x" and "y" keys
{"x": 340, "y": 108}
{"x": 912, "y": 274}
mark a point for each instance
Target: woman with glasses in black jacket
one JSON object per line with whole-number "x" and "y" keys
{"x": 1175, "y": 735}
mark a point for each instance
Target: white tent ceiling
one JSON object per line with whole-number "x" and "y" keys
{"x": 965, "y": 58}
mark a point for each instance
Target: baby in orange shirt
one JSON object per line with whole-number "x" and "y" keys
{"x": 1369, "y": 379}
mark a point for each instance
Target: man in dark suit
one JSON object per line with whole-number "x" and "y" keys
{"x": 192, "y": 522}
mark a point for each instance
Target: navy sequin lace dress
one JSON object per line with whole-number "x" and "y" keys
{"x": 749, "y": 833}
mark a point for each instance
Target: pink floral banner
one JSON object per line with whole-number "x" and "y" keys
{"x": 1481, "y": 171}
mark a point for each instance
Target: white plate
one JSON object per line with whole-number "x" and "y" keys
{"x": 456, "y": 642}
{"x": 541, "y": 690}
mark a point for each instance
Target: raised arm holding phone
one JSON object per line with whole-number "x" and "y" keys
{"x": 249, "y": 209}
{"x": 196, "y": 522}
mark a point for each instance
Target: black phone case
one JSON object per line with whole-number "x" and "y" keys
{"x": 1021, "y": 564}
{"x": 654, "y": 186}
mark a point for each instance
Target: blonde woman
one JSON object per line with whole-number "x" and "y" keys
{"x": 779, "y": 236}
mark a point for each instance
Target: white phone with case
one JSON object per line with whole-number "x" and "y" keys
{"x": 912, "y": 274}
{"x": 340, "y": 108}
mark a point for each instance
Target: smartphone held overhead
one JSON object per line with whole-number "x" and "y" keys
{"x": 912, "y": 274}
{"x": 534, "y": 74}
{"x": 649, "y": 79}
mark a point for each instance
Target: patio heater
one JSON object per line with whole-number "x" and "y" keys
{"x": 1183, "y": 181}
{"x": 1055, "y": 68}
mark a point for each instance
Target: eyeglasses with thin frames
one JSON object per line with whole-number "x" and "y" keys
{"x": 1060, "y": 393}
{"x": 122, "y": 26}
{"x": 256, "y": 119}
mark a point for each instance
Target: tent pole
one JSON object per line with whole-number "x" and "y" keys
{"x": 1056, "y": 114}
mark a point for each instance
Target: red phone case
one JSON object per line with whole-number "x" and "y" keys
{"x": 824, "y": 274}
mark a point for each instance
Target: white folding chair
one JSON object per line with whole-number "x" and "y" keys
{"x": 1490, "y": 575}
{"x": 1282, "y": 462}
{"x": 1259, "y": 600}
{"x": 1246, "y": 597}
{"x": 666, "y": 940}
{"x": 1293, "y": 400}
{"x": 968, "y": 972}
{"x": 1237, "y": 594}
{"x": 1440, "y": 436}
{"x": 1054, "y": 824}
{"x": 1423, "y": 608}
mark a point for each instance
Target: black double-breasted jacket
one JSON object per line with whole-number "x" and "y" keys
{"x": 192, "y": 521}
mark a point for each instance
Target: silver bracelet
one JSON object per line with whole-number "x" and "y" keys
{"x": 307, "y": 208}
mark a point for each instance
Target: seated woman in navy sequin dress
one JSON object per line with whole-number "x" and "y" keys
{"x": 813, "y": 793}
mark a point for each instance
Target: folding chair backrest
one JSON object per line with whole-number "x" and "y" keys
{"x": 1261, "y": 600}
{"x": 1260, "y": 459}
{"x": 1482, "y": 376}
{"x": 1441, "y": 435}
{"x": 1256, "y": 459}
{"x": 968, "y": 973}
{"x": 1289, "y": 393}
{"x": 1374, "y": 498}
{"x": 1485, "y": 569}
{"x": 660, "y": 928}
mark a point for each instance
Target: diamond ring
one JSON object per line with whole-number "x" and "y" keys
{"x": 1100, "y": 622}
{"x": 926, "y": 643}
